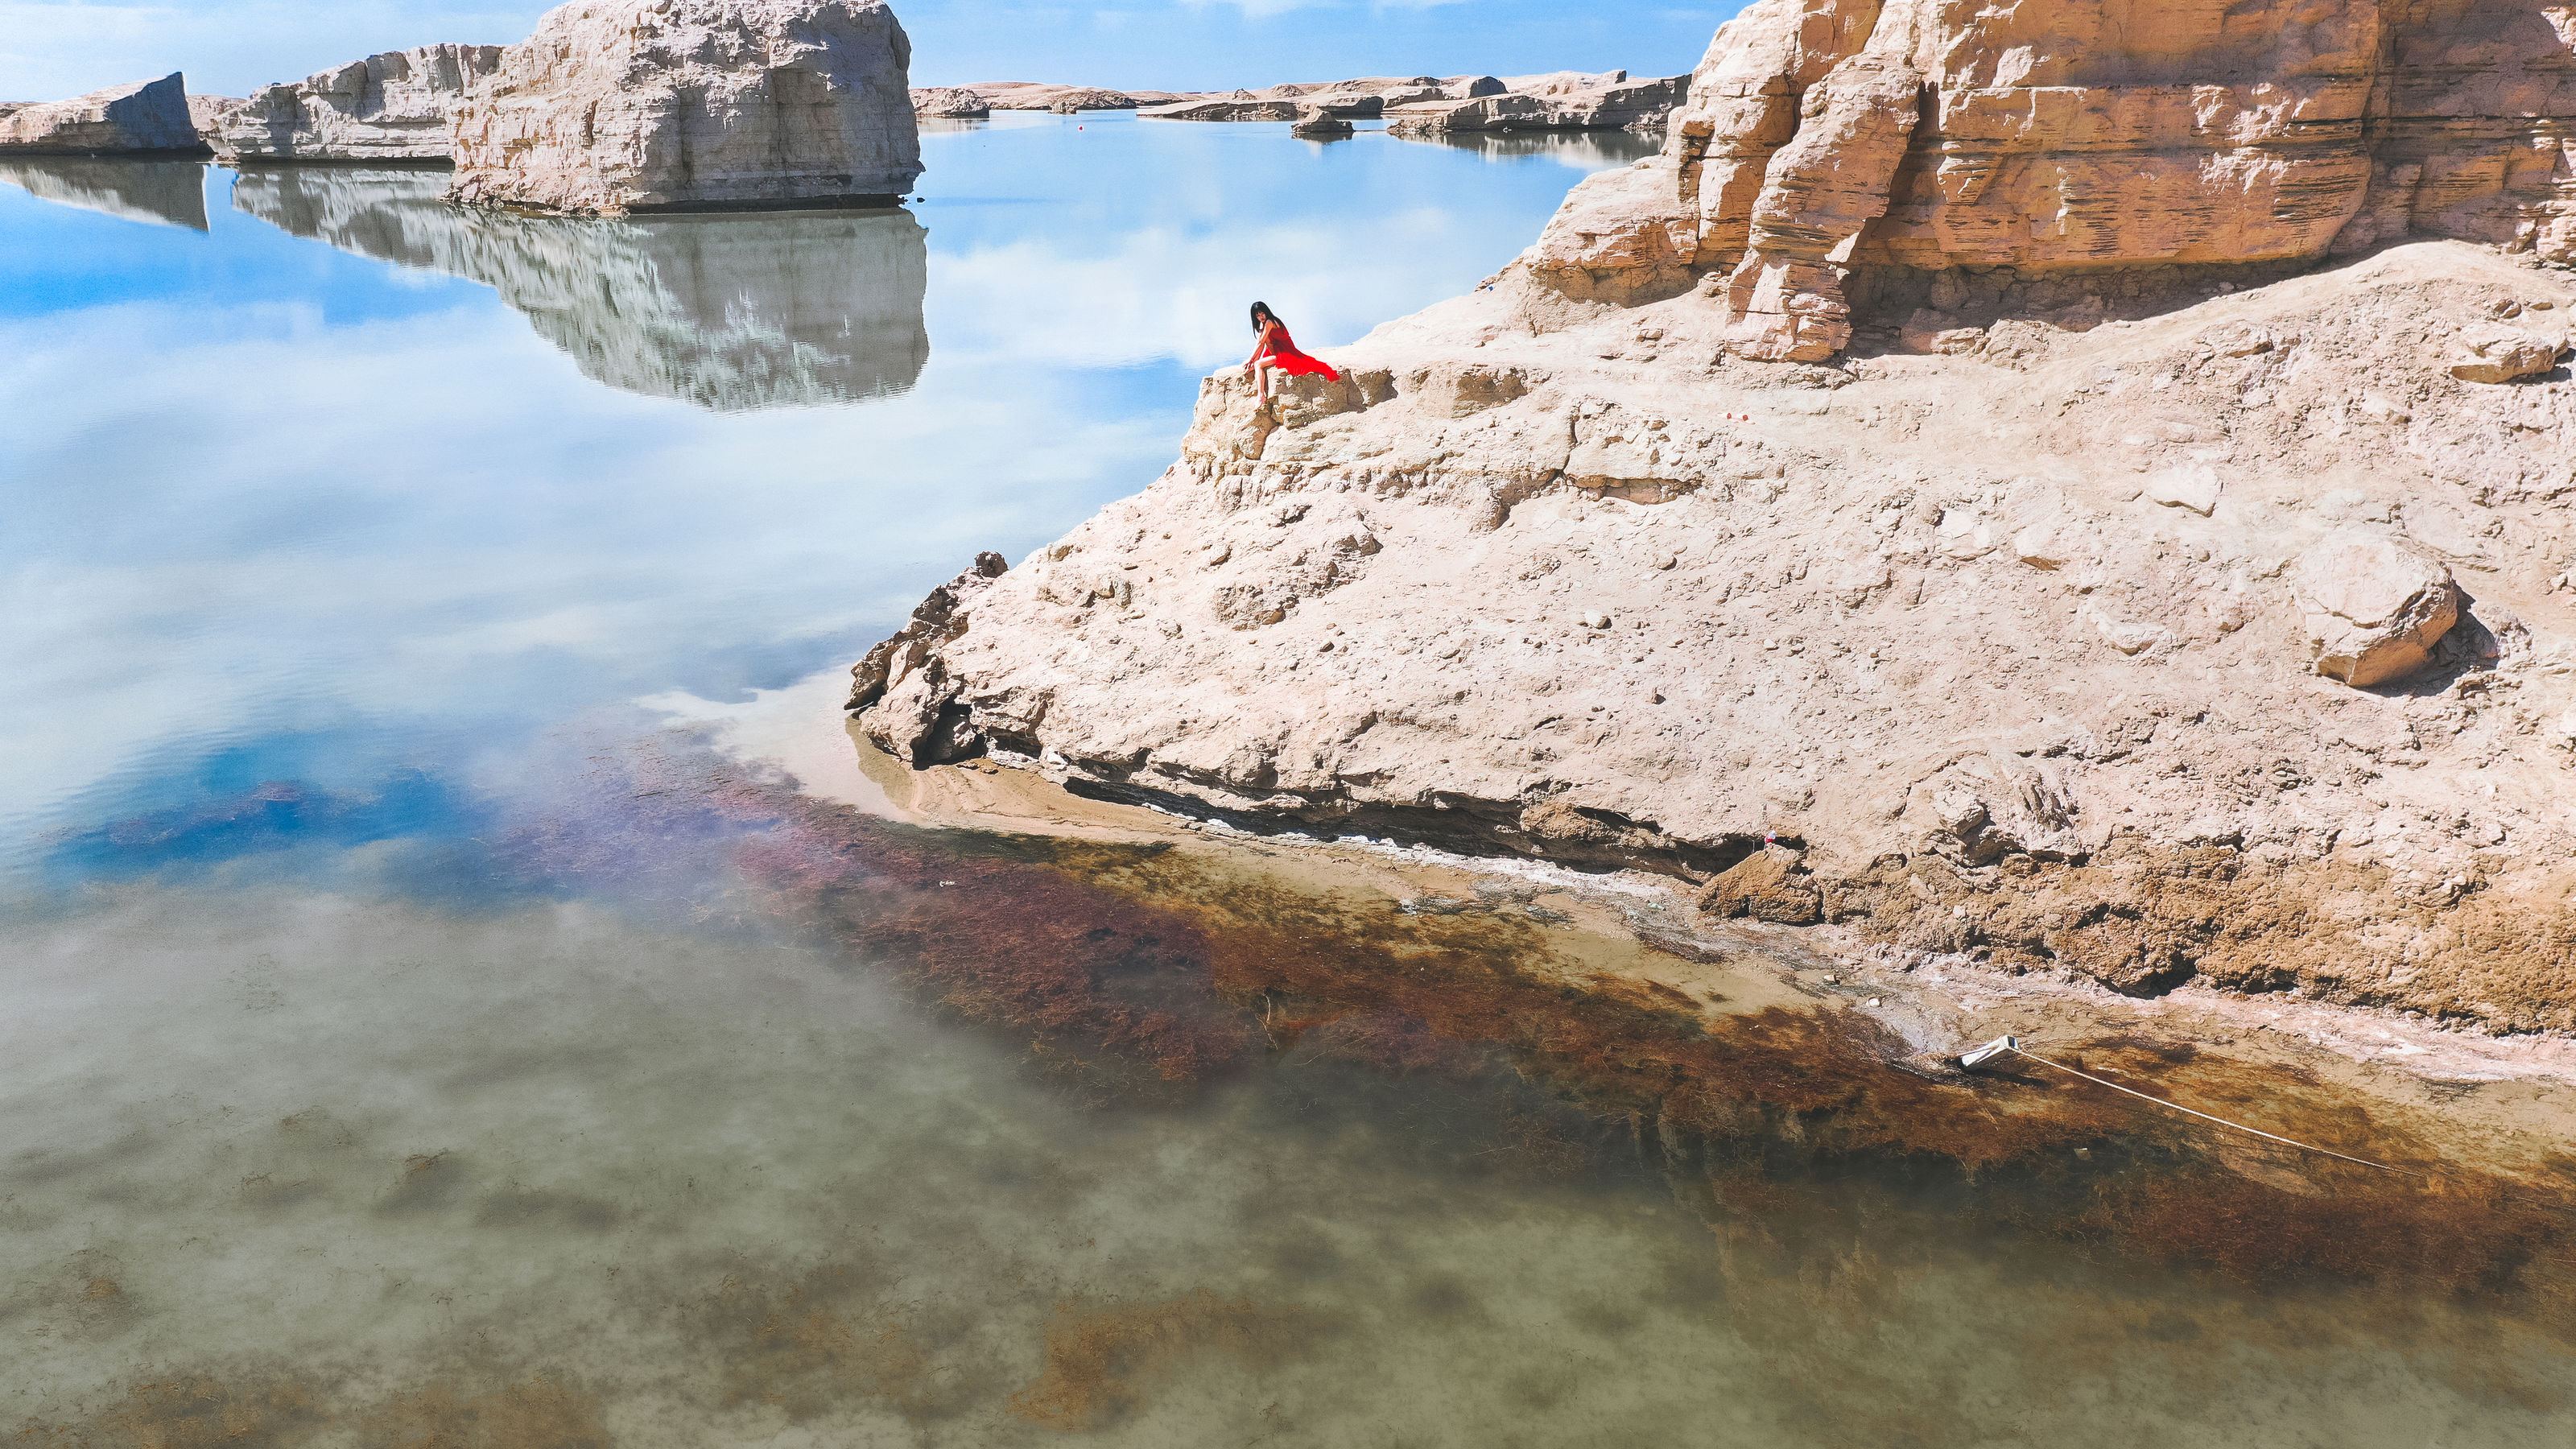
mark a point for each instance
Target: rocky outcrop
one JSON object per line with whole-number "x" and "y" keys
{"x": 1827, "y": 136}
{"x": 208, "y": 114}
{"x": 617, "y": 106}
{"x": 726, "y": 313}
{"x": 2020, "y": 645}
{"x": 1321, "y": 123}
{"x": 2148, "y": 597}
{"x": 1562, "y": 103}
{"x": 950, "y": 103}
{"x": 901, "y": 680}
{"x": 165, "y": 193}
{"x": 2505, "y": 354}
{"x": 389, "y": 108}
{"x": 143, "y": 119}
{"x": 2374, "y": 606}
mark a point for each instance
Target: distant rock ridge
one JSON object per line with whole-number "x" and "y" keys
{"x": 141, "y": 119}
{"x": 394, "y": 107}
{"x": 2171, "y": 579}
{"x": 1428, "y": 105}
{"x": 618, "y": 106}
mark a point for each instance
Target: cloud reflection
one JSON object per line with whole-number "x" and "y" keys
{"x": 335, "y": 524}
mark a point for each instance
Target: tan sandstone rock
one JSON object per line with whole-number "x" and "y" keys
{"x": 2084, "y": 134}
{"x": 2502, "y": 354}
{"x": 137, "y": 119}
{"x": 1767, "y": 886}
{"x": 615, "y": 106}
{"x": 2374, "y": 606}
{"x": 2019, "y": 634}
{"x": 391, "y": 107}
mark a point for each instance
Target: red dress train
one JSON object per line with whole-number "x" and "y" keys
{"x": 1281, "y": 350}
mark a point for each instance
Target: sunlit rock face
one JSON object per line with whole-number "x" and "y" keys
{"x": 1823, "y": 135}
{"x": 616, "y": 106}
{"x": 390, "y": 107}
{"x": 729, "y": 313}
{"x": 169, "y": 193}
{"x": 142, "y": 118}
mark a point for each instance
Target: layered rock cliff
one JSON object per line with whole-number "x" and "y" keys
{"x": 617, "y": 106}
{"x": 394, "y": 107}
{"x": 1824, "y": 137}
{"x": 144, "y": 118}
{"x": 2156, "y": 596}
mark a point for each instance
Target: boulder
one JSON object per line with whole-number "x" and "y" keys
{"x": 2503, "y": 354}
{"x": 1320, "y": 123}
{"x": 617, "y": 106}
{"x": 1769, "y": 885}
{"x": 2374, "y": 606}
{"x": 391, "y": 107}
{"x": 144, "y": 118}
{"x": 950, "y": 103}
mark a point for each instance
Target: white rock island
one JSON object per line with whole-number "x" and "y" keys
{"x": 618, "y": 106}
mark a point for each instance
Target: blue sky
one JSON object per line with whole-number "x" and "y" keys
{"x": 54, "y": 48}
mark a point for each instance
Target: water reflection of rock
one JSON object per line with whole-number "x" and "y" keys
{"x": 1591, "y": 150}
{"x": 165, "y": 193}
{"x": 728, "y": 312}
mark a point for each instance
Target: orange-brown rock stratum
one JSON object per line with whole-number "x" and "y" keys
{"x": 2091, "y": 479}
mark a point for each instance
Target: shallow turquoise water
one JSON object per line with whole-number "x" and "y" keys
{"x": 388, "y": 1061}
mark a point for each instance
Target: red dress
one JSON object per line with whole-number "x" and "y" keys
{"x": 1282, "y": 351}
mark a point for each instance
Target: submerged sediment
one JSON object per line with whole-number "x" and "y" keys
{"x": 2159, "y": 602}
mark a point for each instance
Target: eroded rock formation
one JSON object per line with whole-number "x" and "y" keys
{"x": 144, "y": 118}
{"x": 2168, "y": 591}
{"x": 617, "y": 106}
{"x": 394, "y": 107}
{"x": 726, "y": 312}
{"x": 1828, "y": 135}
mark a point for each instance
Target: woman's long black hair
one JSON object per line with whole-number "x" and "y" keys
{"x": 1261, "y": 310}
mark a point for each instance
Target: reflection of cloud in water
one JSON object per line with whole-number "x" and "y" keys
{"x": 1585, "y": 151}
{"x": 728, "y": 312}
{"x": 164, "y": 193}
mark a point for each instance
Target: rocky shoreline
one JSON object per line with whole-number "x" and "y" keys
{"x": 2182, "y": 598}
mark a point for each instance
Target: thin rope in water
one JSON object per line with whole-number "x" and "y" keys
{"x": 2221, "y": 1121}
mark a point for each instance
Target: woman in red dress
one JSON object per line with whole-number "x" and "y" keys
{"x": 1276, "y": 349}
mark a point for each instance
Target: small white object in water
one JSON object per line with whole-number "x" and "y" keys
{"x": 946, "y": 883}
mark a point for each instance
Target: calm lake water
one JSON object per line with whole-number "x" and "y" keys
{"x": 410, "y": 1036}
